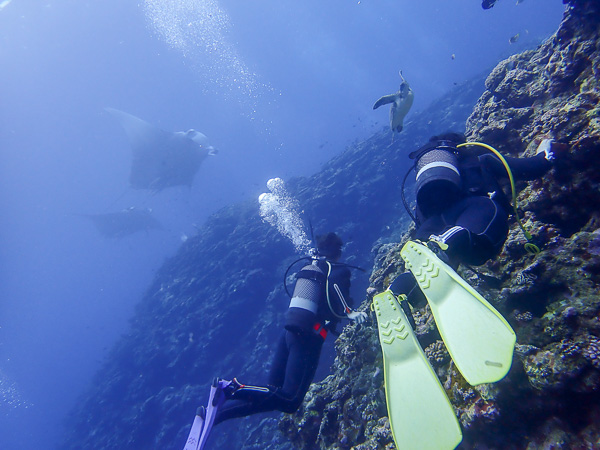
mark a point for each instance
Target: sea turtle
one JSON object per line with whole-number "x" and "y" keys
{"x": 401, "y": 102}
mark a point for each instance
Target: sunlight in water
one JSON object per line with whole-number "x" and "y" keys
{"x": 9, "y": 395}
{"x": 199, "y": 29}
{"x": 280, "y": 210}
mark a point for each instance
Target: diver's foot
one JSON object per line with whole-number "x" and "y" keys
{"x": 231, "y": 387}
{"x": 228, "y": 387}
{"x": 438, "y": 247}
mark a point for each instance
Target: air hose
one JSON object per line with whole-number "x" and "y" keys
{"x": 530, "y": 247}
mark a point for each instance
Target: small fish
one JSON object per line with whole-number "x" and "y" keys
{"x": 453, "y": 56}
{"x": 514, "y": 39}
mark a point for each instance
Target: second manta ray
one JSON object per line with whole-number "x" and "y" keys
{"x": 478, "y": 338}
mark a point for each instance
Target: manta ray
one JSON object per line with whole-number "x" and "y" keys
{"x": 125, "y": 222}
{"x": 162, "y": 159}
{"x": 401, "y": 102}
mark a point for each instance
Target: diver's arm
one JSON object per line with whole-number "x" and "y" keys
{"x": 341, "y": 278}
{"x": 522, "y": 168}
{"x": 342, "y": 287}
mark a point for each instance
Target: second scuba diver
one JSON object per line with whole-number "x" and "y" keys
{"x": 462, "y": 217}
{"x": 461, "y": 208}
{"x": 320, "y": 300}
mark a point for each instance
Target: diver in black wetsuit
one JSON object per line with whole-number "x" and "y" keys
{"x": 461, "y": 206}
{"x": 320, "y": 300}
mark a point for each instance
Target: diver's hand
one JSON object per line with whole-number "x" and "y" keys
{"x": 358, "y": 316}
{"x": 553, "y": 151}
{"x": 545, "y": 147}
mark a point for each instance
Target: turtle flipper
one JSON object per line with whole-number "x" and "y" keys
{"x": 386, "y": 99}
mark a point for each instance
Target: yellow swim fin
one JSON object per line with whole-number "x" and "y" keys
{"x": 478, "y": 338}
{"x": 419, "y": 411}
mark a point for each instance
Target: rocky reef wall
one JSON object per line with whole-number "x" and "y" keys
{"x": 551, "y": 396}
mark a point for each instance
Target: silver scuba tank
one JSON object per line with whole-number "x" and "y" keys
{"x": 308, "y": 294}
{"x": 438, "y": 180}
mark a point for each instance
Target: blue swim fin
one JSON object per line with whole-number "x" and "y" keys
{"x": 215, "y": 401}
{"x": 194, "y": 436}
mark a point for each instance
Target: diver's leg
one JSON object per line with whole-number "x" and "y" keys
{"x": 246, "y": 400}
{"x": 479, "y": 231}
{"x": 277, "y": 373}
{"x": 406, "y": 284}
{"x": 432, "y": 225}
{"x": 300, "y": 360}
{"x": 305, "y": 351}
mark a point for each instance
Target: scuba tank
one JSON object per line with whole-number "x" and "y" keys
{"x": 438, "y": 180}
{"x": 308, "y": 294}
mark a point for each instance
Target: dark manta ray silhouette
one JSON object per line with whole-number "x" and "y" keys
{"x": 125, "y": 222}
{"x": 162, "y": 159}
{"x": 487, "y": 4}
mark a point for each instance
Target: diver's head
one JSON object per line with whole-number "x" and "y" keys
{"x": 438, "y": 181}
{"x": 329, "y": 245}
{"x": 451, "y": 136}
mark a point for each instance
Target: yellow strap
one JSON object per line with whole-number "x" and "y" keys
{"x": 530, "y": 247}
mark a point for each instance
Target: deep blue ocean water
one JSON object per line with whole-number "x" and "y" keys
{"x": 278, "y": 88}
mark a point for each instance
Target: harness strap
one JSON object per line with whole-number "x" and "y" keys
{"x": 320, "y": 330}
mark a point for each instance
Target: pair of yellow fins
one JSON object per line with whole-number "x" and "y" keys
{"x": 479, "y": 340}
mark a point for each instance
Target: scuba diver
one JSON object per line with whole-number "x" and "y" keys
{"x": 462, "y": 210}
{"x": 320, "y": 300}
{"x": 461, "y": 217}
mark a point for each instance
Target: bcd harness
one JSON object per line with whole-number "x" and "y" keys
{"x": 445, "y": 146}
{"x": 312, "y": 284}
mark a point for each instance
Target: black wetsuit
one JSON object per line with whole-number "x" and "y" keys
{"x": 476, "y": 220}
{"x": 295, "y": 361}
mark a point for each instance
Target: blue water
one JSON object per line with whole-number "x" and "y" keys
{"x": 278, "y": 87}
